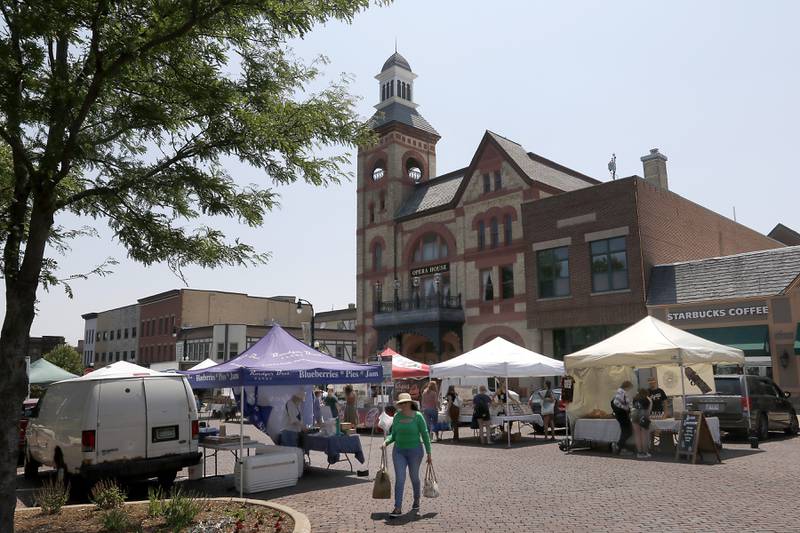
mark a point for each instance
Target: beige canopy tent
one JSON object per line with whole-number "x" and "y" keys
{"x": 599, "y": 369}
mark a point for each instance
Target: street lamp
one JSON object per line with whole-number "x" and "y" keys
{"x": 300, "y": 303}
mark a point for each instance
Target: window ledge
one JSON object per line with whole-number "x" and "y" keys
{"x": 620, "y": 291}
{"x": 554, "y": 298}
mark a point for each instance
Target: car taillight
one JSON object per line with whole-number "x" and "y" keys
{"x": 562, "y": 405}
{"x": 195, "y": 429}
{"x": 87, "y": 440}
{"x": 746, "y": 403}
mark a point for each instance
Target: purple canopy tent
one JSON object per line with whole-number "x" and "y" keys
{"x": 279, "y": 359}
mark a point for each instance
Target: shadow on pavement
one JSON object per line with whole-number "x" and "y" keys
{"x": 475, "y": 443}
{"x": 408, "y": 518}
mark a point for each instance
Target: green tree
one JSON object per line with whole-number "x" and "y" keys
{"x": 67, "y": 358}
{"x": 124, "y": 113}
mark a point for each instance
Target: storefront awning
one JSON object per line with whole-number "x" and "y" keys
{"x": 752, "y": 340}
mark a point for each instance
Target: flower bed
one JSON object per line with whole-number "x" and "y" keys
{"x": 213, "y": 516}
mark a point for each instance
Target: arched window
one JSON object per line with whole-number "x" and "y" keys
{"x": 382, "y": 201}
{"x": 494, "y": 233}
{"x": 507, "y": 230}
{"x": 383, "y": 92}
{"x": 481, "y": 235}
{"x": 408, "y": 91}
{"x": 378, "y": 170}
{"x": 414, "y": 169}
{"x": 371, "y": 213}
{"x": 431, "y": 247}
{"x": 377, "y": 257}
{"x": 403, "y": 90}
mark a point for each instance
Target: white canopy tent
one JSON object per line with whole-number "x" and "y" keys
{"x": 502, "y": 358}
{"x": 650, "y": 343}
{"x": 206, "y": 363}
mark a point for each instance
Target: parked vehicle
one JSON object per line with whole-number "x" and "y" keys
{"x": 27, "y": 408}
{"x": 560, "y": 409}
{"x": 122, "y": 421}
{"x": 769, "y": 406}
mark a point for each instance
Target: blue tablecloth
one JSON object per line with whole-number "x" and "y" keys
{"x": 334, "y": 446}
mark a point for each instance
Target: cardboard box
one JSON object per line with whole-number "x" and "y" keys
{"x": 346, "y": 426}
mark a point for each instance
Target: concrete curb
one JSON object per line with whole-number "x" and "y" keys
{"x": 301, "y": 522}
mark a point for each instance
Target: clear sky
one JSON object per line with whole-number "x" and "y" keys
{"x": 714, "y": 84}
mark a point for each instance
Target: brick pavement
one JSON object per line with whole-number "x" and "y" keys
{"x": 534, "y": 486}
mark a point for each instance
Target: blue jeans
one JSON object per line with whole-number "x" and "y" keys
{"x": 403, "y": 458}
{"x": 431, "y": 417}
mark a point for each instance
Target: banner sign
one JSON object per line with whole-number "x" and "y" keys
{"x": 250, "y": 377}
{"x": 432, "y": 269}
{"x": 719, "y": 313}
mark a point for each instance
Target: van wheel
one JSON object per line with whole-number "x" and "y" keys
{"x": 167, "y": 479}
{"x": 762, "y": 429}
{"x": 792, "y": 428}
{"x": 31, "y": 467}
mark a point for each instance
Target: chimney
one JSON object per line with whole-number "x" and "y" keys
{"x": 655, "y": 168}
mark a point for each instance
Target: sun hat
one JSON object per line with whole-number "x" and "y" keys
{"x": 403, "y": 398}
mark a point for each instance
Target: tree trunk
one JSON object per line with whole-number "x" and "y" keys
{"x": 13, "y": 389}
{"x": 21, "y": 289}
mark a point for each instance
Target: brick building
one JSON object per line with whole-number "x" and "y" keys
{"x": 440, "y": 259}
{"x": 511, "y": 245}
{"x": 590, "y": 254}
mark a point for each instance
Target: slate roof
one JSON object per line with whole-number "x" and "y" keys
{"x": 785, "y": 234}
{"x": 397, "y": 112}
{"x": 432, "y": 194}
{"x": 398, "y": 60}
{"x": 537, "y": 168}
{"x": 751, "y": 274}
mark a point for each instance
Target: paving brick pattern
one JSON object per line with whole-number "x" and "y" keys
{"x": 534, "y": 486}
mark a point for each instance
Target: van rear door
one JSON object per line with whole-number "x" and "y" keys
{"x": 121, "y": 420}
{"x": 169, "y": 424}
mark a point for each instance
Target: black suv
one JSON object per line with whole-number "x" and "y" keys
{"x": 770, "y": 409}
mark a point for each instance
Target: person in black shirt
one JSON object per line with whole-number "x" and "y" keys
{"x": 657, "y": 396}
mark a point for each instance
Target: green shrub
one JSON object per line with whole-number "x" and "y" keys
{"x": 106, "y": 494}
{"x": 155, "y": 502}
{"x": 115, "y": 520}
{"x": 52, "y": 496}
{"x": 179, "y": 512}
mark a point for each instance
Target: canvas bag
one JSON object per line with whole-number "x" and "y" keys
{"x": 382, "y": 489}
{"x": 431, "y": 488}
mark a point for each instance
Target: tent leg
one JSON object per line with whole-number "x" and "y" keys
{"x": 507, "y": 413}
{"x": 241, "y": 440}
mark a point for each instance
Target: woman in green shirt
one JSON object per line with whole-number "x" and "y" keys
{"x": 409, "y": 432}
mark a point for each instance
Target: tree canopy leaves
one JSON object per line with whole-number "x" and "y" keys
{"x": 66, "y": 357}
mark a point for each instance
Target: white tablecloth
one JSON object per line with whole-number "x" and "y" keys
{"x": 501, "y": 419}
{"x": 607, "y": 429}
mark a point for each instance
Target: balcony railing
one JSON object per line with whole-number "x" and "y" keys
{"x": 420, "y": 303}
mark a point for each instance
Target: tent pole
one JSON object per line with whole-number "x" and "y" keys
{"x": 241, "y": 440}
{"x": 508, "y": 396}
{"x": 683, "y": 387}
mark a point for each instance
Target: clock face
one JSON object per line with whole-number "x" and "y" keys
{"x": 377, "y": 173}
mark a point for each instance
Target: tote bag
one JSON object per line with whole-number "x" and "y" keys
{"x": 382, "y": 489}
{"x": 431, "y": 488}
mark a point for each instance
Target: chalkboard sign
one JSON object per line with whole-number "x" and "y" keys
{"x": 695, "y": 437}
{"x": 689, "y": 434}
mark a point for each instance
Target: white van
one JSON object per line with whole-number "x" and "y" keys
{"x": 121, "y": 421}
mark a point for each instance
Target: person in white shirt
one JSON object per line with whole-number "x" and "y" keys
{"x": 294, "y": 413}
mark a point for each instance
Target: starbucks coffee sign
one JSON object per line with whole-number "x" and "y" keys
{"x": 740, "y": 312}
{"x": 432, "y": 269}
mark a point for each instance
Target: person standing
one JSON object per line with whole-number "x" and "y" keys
{"x": 453, "y": 409}
{"x": 548, "y": 403}
{"x": 658, "y": 397}
{"x": 430, "y": 407}
{"x": 409, "y": 434}
{"x": 350, "y": 411}
{"x": 331, "y": 403}
{"x": 480, "y": 407}
{"x": 317, "y": 407}
{"x": 621, "y": 407}
{"x": 640, "y": 416}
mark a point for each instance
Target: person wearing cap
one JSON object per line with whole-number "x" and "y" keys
{"x": 294, "y": 412}
{"x": 657, "y": 396}
{"x": 409, "y": 434}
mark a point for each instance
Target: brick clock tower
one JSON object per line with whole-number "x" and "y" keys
{"x": 404, "y": 155}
